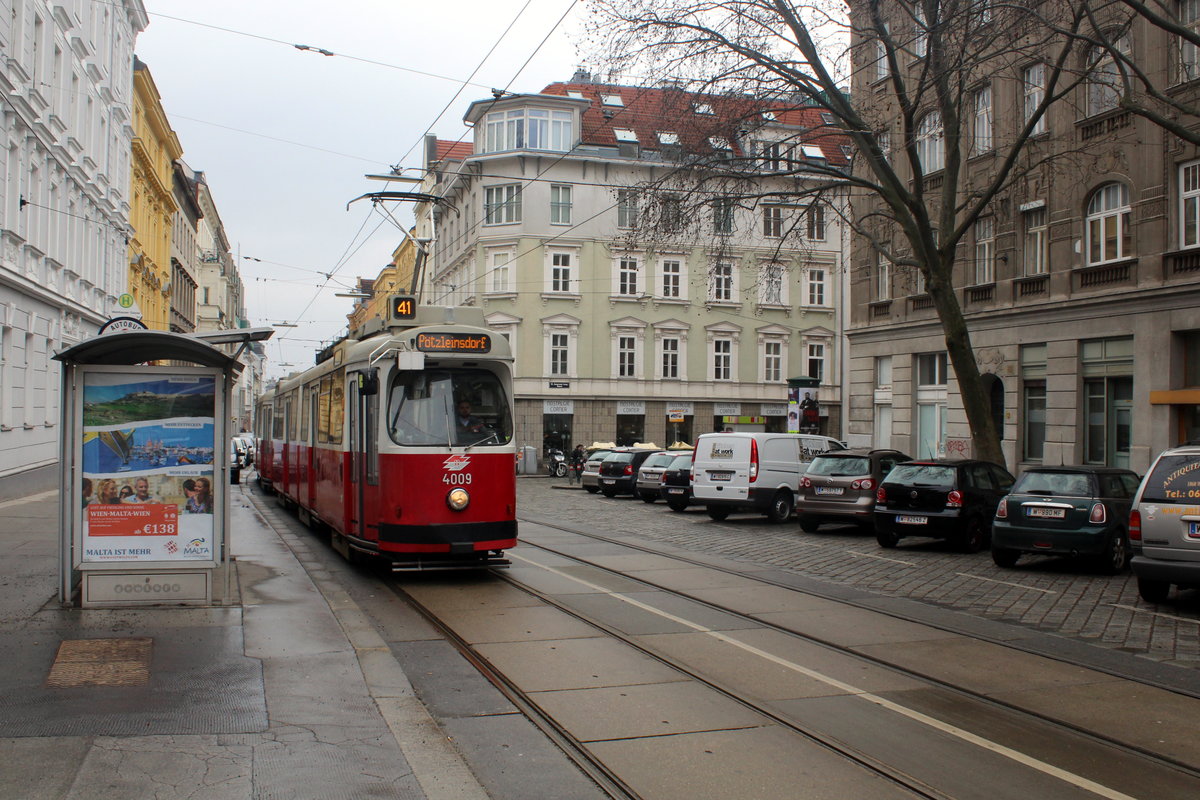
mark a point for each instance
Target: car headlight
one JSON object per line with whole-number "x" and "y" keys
{"x": 458, "y": 499}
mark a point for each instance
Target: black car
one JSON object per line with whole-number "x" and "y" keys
{"x": 619, "y": 470}
{"x": 676, "y": 487}
{"x": 942, "y": 498}
{"x": 839, "y": 486}
{"x": 1069, "y": 511}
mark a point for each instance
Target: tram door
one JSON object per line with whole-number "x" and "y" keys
{"x": 364, "y": 450}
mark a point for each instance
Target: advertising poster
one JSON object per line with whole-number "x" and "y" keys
{"x": 148, "y": 455}
{"x": 793, "y": 416}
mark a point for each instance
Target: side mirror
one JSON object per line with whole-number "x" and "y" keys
{"x": 368, "y": 382}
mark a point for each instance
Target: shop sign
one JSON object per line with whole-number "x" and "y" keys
{"x": 776, "y": 410}
{"x": 558, "y": 406}
{"x": 727, "y": 409}
{"x": 685, "y": 409}
{"x": 559, "y": 384}
{"x": 631, "y": 406}
{"x": 736, "y": 420}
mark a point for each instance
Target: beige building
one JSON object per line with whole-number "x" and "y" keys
{"x": 1090, "y": 259}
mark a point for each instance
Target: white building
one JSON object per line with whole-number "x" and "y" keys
{"x": 65, "y": 107}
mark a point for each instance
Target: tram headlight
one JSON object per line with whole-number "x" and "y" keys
{"x": 458, "y": 499}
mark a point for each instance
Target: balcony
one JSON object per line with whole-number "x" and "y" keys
{"x": 921, "y": 302}
{"x": 1182, "y": 263}
{"x": 1031, "y": 286}
{"x": 1103, "y": 275}
{"x": 880, "y": 309}
{"x": 1094, "y": 127}
{"x": 978, "y": 295}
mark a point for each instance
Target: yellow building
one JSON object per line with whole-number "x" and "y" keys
{"x": 395, "y": 278}
{"x": 155, "y": 148}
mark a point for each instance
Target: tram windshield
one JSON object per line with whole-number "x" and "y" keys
{"x": 449, "y": 407}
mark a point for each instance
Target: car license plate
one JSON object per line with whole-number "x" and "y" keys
{"x": 1193, "y": 529}
{"x": 608, "y": 481}
{"x": 1047, "y": 513}
{"x": 833, "y": 490}
{"x": 902, "y": 519}
{"x": 720, "y": 476}
{"x": 675, "y": 491}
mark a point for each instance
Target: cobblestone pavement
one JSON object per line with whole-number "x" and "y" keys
{"x": 1049, "y": 594}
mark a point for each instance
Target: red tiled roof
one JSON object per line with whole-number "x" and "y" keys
{"x": 453, "y": 151}
{"x": 651, "y": 111}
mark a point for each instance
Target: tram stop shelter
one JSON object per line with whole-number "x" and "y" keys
{"x": 144, "y": 467}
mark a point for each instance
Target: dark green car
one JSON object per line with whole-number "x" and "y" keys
{"x": 1067, "y": 511}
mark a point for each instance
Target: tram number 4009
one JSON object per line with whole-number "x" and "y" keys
{"x": 456, "y": 478}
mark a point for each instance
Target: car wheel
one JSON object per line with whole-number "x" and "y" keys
{"x": 592, "y": 489}
{"x": 1153, "y": 591}
{"x": 560, "y": 471}
{"x": 609, "y": 492}
{"x": 887, "y": 539}
{"x": 808, "y": 523}
{"x": 781, "y": 507}
{"x": 974, "y": 537}
{"x": 676, "y": 506}
{"x": 717, "y": 513}
{"x": 1116, "y": 555}
{"x": 649, "y": 497}
{"x": 1003, "y": 557}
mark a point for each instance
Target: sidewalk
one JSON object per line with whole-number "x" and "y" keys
{"x": 289, "y": 694}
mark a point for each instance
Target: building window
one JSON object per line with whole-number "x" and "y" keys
{"x": 1033, "y": 85}
{"x": 772, "y": 361}
{"x": 815, "y": 278}
{"x": 985, "y": 256}
{"x": 1033, "y": 416}
{"x": 1189, "y": 203}
{"x": 931, "y": 369}
{"x": 672, "y": 213}
{"x": 558, "y": 353}
{"x": 1109, "y": 231}
{"x": 627, "y": 277}
{"x": 883, "y": 278}
{"x": 560, "y": 272}
{"x": 931, "y": 152}
{"x": 1035, "y": 257}
{"x": 626, "y": 356}
{"x": 501, "y": 272}
{"x": 722, "y": 359}
{"x": 502, "y": 204}
{"x": 983, "y": 120}
{"x": 721, "y": 283}
{"x": 883, "y": 372}
{"x": 816, "y": 361}
{"x": 773, "y": 221}
{"x": 920, "y": 31}
{"x": 771, "y": 285}
{"x": 722, "y": 215}
{"x": 773, "y": 156}
{"x": 881, "y": 67}
{"x": 884, "y": 140}
{"x": 670, "y": 358}
{"x": 1104, "y": 87}
{"x": 1189, "y": 54}
{"x": 528, "y": 129}
{"x": 815, "y": 217}
{"x": 560, "y": 205}
{"x": 627, "y": 208}
{"x": 671, "y": 270}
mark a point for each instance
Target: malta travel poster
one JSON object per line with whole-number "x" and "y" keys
{"x": 148, "y": 456}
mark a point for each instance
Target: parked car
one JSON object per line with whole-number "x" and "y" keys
{"x": 676, "y": 486}
{"x": 757, "y": 472}
{"x": 619, "y": 470}
{"x": 1070, "y": 511}
{"x": 237, "y": 460}
{"x": 649, "y": 476}
{"x": 943, "y": 498}
{"x": 839, "y": 486}
{"x": 590, "y": 477}
{"x": 247, "y": 447}
{"x": 1164, "y": 524}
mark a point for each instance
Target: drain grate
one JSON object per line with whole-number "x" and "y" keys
{"x": 101, "y": 662}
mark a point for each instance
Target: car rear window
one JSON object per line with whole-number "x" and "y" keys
{"x": 1174, "y": 479}
{"x": 620, "y": 458}
{"x": 840, "y": 465}
{"x": 681, "y": 462}
{"x": 1070, "y": 484}
{"x": 922, "y": 475}
{"x": 658, "y": 460}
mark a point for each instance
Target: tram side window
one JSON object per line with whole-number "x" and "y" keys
{"x": 289, "y": 414}
{"x": 323, "y": 410}
{"x": 304, "y": 414}
{"x": 276, "y": 424}
{"x": 422, "y": 408}
{"x": 337, "y": 407}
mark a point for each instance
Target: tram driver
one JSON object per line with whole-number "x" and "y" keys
{"x": 467, "y": 426}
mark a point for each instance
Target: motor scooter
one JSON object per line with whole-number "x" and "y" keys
{"x": 556, "y": 463}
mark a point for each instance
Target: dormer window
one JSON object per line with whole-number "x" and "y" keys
{"x": 576, "y": 95}
{"x": 721, "y": 147}
{"x": 627, "y": 143}
{"x": 612, "y": 100}
{"x": 703, "y": 108}
{"x": 625, "y": 135}
{"x": 828, "y": 118}
{"x": 812, "y": 152}
{"x": 528, "y": 129}
{"x": 669, "y": 144}
{"x": 768, "y": 116}
{"x": 667, "y": 138}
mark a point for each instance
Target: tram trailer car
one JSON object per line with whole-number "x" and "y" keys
{"x": 370, "y": 444}
{"x": 268, "y": 447}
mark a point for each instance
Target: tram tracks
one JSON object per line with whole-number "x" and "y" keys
{"x": 910, "y": 783}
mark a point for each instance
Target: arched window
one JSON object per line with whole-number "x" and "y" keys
{"x": 1188, "y": 53}
{"x": 1109, "y": 233}
{"x": 1104, "y": 86}
{"x": 931, "y": 143}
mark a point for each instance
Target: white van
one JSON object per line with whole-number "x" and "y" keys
{"x": 757, "y": 472}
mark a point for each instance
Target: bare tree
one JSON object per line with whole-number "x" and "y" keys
{"x": 916, "y": 116}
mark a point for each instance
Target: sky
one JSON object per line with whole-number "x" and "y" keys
{"x": 285, "y": 136}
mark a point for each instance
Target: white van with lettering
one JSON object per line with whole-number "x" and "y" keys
{"x": 754, "y": 472}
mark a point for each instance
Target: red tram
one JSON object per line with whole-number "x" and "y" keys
{"x": 401, "y": 443}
